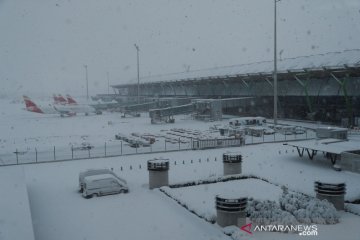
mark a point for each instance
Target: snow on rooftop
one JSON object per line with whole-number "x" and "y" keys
{"x": 15, "y": 214}
{"x": 330, "y": 180}
{"x": 158, "y": 160}
{"x": 350, "y": 58}
{"x": 228, "y": 153}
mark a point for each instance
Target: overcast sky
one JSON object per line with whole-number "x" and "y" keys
{"x": 46, "y": 43}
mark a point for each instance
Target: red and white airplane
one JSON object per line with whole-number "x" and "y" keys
{"x": 60, "y": 100}
{"x": 70, "y": 100}
{"x": 32, "y": 107}
{"x": 63, "y": 110}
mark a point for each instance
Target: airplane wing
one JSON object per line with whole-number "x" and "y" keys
{"x": 64, "y": 112}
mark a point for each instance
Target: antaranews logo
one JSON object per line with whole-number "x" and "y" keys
{"x": 302, "y": 230}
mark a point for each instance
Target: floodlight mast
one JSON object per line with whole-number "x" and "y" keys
{"x": 87, "y": 82}
{"x": 138, "y": 74}
{"x": 108, "y": 82}
{"x": 275, "y": 67}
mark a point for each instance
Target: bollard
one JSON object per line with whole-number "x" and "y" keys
{"x": 105, "y": 149}
{"x": 17, "y": 156}
{"x": 121, "y": 148}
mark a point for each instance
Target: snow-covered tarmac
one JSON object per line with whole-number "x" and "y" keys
{"x": 36, "y": 136}
{"x": 59, "y": 212}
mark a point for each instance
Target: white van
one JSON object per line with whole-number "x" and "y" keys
{"x": 92, "y": 172}
{"x": 103, "y": 184}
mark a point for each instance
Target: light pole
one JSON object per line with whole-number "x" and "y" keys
{"x": 138, "y": 74}
{"x": 108, "y": 78}
{"x": 275, "y": 67}
{"x": 87, "y": 82}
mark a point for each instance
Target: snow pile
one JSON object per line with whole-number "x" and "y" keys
{"x": 215, "y": 178}
{"x": 309, "y": 209}
{"x": 269, "y": 213}
{"x": 294, "y": 208}
{"x": 353, "y": 208}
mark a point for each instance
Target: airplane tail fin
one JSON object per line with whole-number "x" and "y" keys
{"x": 61, "y": 99}
{"x": 70, "y": 100}
{"x": 31, "y": 106}
{"x": 56, "y": 99}
{"x": 28, "y": 102}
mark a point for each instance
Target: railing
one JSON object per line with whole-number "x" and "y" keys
{"x": 120, "y": 148}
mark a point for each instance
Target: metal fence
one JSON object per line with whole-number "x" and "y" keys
{"x": 121, "y": 148}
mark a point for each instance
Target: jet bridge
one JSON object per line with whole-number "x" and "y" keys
{"x": 139, "y": 107}
{"x": 201, "y": 109}
{"x": 167, "y": 114}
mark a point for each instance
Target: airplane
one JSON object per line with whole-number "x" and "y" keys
{"x": 32, "y": 107}
{"x": 71, "y": 105}
{"x": 70, "y": 100}
{"x": 59, "y": 99}
{"x": 77, "y": 108}
{"x": 63, "y": 110}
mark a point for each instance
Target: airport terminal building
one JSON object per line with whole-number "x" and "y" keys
{"x": 323, "y": 87}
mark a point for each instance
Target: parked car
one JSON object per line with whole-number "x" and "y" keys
{"x": 102, "y": 184}
{"x": 284, "y": 129}
{"x": 299, "y": 130}
{"x": 84, "y": 146}
{"x": 269, "y": 131}
{"x": 93, "y": 172}
{"x": 120, "y": 136}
